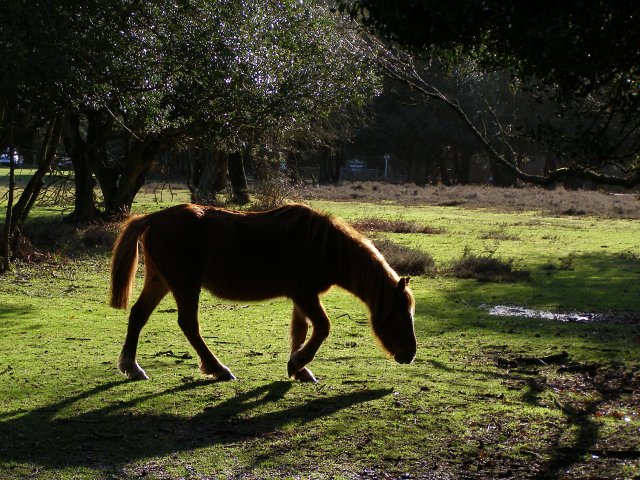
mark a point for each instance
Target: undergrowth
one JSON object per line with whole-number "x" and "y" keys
{"x": 486, "y": 268}
{"x": 405, "y": 260}
{"x": 394, "y": 226}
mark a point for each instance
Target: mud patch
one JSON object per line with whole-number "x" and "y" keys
{"x": 627, "y": 318}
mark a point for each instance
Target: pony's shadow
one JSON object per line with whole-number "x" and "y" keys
{"x": 115, "y": 436}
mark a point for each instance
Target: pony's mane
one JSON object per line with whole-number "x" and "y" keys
{"x": 361, "y": 268}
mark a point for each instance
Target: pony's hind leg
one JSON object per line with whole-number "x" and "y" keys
{"x": 188, "y": 321}
{"x": 299, "y": 329}
{"x": 153, "y": 291}
{"x": 310, "y": 307}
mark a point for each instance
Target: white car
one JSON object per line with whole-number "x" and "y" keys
{"x": 5, "y": 160}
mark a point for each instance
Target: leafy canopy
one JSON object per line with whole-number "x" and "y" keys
{"x": 193, "y": 69}
{"x": 577, "y": 44}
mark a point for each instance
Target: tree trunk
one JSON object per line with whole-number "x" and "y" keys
{"x": 7, "y": 233}
{"x": 443, "y": 166}
{"x": 238, "y": 179}
{"x": 119, "y": 179}
{"x": 291, "y": 160}
{"x": 420, "y": 172}
{"x": 550, "y": 164}
{"x": 36, "y": 182}
{"x": 462, "y": 166}
{"x": 138, "y": 160}
{"x": 208, "y": 175}
{"x": 107, "y": 172}
{"x": 330, "y": 165}
{"x": 5, "y": 242}
{"x": 78, "y": 149}
{"x": 324, "y": 176}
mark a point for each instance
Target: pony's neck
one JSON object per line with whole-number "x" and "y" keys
{"x": 370, "y": 278}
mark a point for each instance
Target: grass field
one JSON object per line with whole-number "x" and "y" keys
{"x": 488, "y": 396}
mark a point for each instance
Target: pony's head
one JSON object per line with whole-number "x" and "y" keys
{"x": 393, "y": 323}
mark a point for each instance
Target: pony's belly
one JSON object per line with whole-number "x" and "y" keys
{"x": 232, "y": 289}
{"x": 258, "y": 287}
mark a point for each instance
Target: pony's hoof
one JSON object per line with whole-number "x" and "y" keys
{"x": 224, "y": 375}
{"x": 132, "y": 371}
{"x": 141, "y": 375}
{"x": 219, "y": 373}
{"x": 292, "y": 368}
{"x": 305, "y": 375}
{"x": 137, "y": 374}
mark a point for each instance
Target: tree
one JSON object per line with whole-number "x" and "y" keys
{"x": 132, "y": 80}
{"x": 577, "y": 56}
{"x": 424, "y": 133}
{"x": 299, "y": 74}
{"x": 221, "y": 76}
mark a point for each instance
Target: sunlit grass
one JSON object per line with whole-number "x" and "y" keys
{"x": 465, "y": 408}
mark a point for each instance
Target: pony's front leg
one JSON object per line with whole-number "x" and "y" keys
{"x": 153, "y": 291}
{"x": 311, "y": 308}
{"x": 299, "y": 328}
{"x": 188, "y": 321}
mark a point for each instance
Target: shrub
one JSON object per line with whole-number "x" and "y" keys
{"x": 272, "y": 192}
{"x": 564, "y": 264}
{"x": 486, "y": 268}
{"x": 498, "y": 235}
{"x": 99, "y": 235}
{"x": 393, "y": 226}
{"x": 405, "y": 260}
{"x": 67, "y": 237}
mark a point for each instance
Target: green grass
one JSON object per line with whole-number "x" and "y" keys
{"x": 477, "y": 402}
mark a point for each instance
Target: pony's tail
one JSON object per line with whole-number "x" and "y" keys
{"x": 124, "y": 261}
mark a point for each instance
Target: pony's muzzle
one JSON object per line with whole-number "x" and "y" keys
{"x": 405, "y": 357}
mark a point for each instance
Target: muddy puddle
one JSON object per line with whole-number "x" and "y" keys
{"x": 577, "y": 317}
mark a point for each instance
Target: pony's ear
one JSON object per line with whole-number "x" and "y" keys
{"x": 402, "y": 283}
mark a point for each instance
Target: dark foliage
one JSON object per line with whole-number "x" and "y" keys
{"x": 577, "y": 44}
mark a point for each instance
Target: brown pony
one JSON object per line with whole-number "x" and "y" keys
{"x": 292, "y": 251}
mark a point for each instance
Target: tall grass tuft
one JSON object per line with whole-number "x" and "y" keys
{"x": 486, "y": 268}
{"x": 405, "y": 260}
{"x": 394, "y": 226}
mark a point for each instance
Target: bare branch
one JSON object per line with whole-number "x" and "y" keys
{"x": 401, "y": 66}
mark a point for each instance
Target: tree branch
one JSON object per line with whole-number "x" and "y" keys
{"x": 400, "y": 66}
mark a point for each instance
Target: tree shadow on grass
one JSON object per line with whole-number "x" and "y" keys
{"x": 10, "y": 313}
{"x": 114, "y": 435}
{"x": 576, "y": 440}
